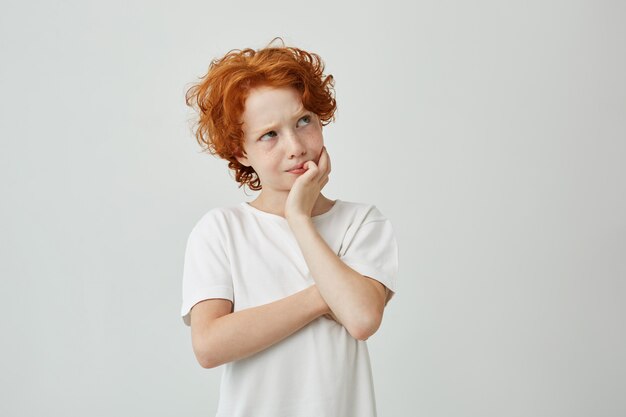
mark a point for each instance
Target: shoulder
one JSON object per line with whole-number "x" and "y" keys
{"x": 360, "y": 212}
{"x": 216, "y": 220}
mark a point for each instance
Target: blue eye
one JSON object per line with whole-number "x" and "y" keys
{"x": 261, "y": 138}
{"x": 306, "y": 117}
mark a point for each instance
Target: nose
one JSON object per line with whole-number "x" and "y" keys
{"x": 295, "y": 145}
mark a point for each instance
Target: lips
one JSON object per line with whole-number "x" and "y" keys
{"x": 299, "y": 166}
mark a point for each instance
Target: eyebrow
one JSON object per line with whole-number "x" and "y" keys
{"x": 270, "y": 126}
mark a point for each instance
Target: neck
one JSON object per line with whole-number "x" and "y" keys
{"x": 275, "y": 203}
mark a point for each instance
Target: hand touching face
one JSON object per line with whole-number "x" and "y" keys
{"x": 307, "y": 187}
{"x": 279, "y": 135}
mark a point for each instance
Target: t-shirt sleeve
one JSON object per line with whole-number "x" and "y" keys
{"x": 372, "y": 251}
{"x": 206, "y": 270}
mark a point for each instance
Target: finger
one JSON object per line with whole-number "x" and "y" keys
{"x": 332, "y": 317}
{"x": 324, "y": 182}
{"x": 328, "y": 168}
{"x": 311, "y": 170}
{"x": 324, "y": 161}
{"x": 324, "y": 165}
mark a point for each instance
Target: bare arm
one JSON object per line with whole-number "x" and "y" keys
{"x": 219, "y": 336}
{"x": 357, "y": 301}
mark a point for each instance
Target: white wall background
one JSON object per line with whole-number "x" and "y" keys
{"x": 492, "y": 134}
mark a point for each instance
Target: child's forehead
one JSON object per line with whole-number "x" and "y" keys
{"x": 269, "y": 104}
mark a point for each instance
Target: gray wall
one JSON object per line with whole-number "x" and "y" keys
{"x": 492, "y": 134}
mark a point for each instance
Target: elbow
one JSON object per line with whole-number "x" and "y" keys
{"x": 206, "y": 356}
{"x": 365, "y": 326}
{"x": 204, "y": 360}
{"x": 208, "y": 365}
{"x": 207, "y": 361}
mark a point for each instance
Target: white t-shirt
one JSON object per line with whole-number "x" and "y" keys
{"x": 251, "y": 257}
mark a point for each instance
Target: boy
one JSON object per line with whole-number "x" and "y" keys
{"x": 284, "y": 289}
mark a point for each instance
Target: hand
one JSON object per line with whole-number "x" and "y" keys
{"x": 331, "y": 316}
{"x": 319, "y": 301}
{"x": 307, "y": 187}
{"x": 327, "y": 312}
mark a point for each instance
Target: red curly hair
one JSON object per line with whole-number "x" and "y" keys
{"x": 219, "y": 98}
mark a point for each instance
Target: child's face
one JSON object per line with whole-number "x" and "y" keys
{"x": 279, "y": 133}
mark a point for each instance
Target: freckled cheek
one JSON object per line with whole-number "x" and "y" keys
{"x": 316, "y": 142}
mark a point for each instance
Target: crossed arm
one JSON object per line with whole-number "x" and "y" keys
{"x": 357, "y": 302}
